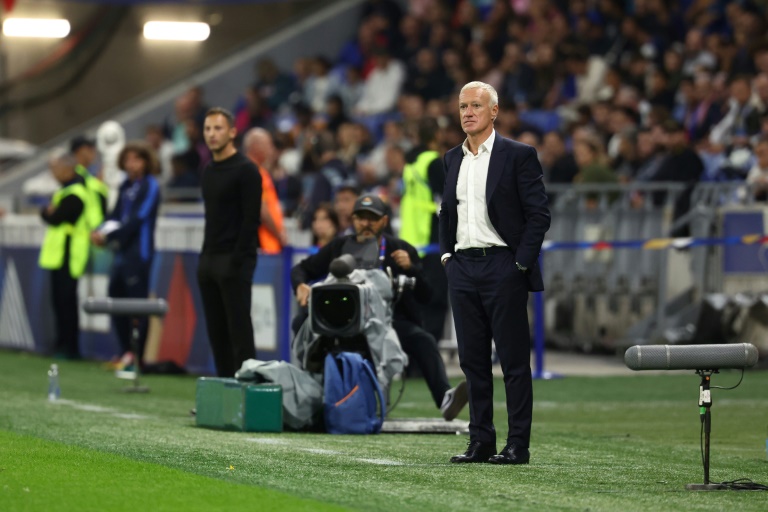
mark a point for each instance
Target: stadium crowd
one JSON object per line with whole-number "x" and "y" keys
{"x": 607, "y": 91}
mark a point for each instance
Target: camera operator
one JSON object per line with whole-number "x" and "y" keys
{"x": 369, "y": 220}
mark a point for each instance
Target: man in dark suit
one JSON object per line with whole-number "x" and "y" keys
{"x": 492, "y": 223}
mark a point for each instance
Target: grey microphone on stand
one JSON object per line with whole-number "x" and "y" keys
{"x": 691, "y": 357}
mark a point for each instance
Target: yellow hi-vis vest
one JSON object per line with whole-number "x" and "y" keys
{"x": 53, "y": 249}
{"x": 98, "y": 192}
{"x": 417, "y": 205}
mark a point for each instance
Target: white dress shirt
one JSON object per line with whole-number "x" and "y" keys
{"x": 474, "y": 228}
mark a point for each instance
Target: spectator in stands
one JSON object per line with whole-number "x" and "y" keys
{"x": 519, "y": 77}
{"x": 335, "y": 113}
{"x": 273, "y": 86}
{"x": 64, "y": 252}
{"x": 593, "y": 168}
{"x": 510, "y": 124}
{"x": 558, "y": 163}
{"x": 428, "y": 80}
{"x": 175, "y": 127}
{"x": 328, "y": 170}
{"x": 325, "y": 225}
{"x": 253, "y": 112}
{"x": 163, "y": 148}
{"x": 695, "y": 56}
{"x": 757, "y": 178}
{"x": 351, "y": 90}
{"x": 355, "y": 53}
{"x": 130, "y": 233}
{"x": 627, "y": 161}
{"x": 320, "y": 84}
{"x": 197, "y": 154}
{"x": 184, "y": 184}
{"x": 343, "y": 205}
{"x": 659, "y": 91}
{"x": 743, "y": 114}
{"x": 349, "y": 140}
{"x": 648, "y": 154}
{"x": 258, "y": 146}
{"x": 482, "y": 67}
{"x": 383, "y": 84}
{"x": 369, "y": 219}
{"x": 760, "y": 92}
{"x": 621, "y": 120}
{"x": 681, "y": 164}
{"x": 699, "y": 110}
{"x": 547, "y": 78}
{"x": 413, "y": 40}
{"x": 586, "y": 72}
{"x": 394, "y": 135}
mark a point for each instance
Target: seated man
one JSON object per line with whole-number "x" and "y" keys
{"x": 369, "y": 220}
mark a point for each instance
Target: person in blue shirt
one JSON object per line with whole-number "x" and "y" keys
{"x": 130, "y": 232}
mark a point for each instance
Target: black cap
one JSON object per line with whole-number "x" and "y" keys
{"x": 370, "y": 203}
{"x": 80, "y": 141}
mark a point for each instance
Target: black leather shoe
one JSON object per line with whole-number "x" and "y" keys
{"x": 476, "y": 452}
{"x": 511, "y": 454}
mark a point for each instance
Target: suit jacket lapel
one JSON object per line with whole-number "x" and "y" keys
{"x": 453, "y": 174}
{"x": 495, "y": 167}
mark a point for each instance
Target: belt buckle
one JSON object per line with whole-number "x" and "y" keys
{"x": 483, "y": 251}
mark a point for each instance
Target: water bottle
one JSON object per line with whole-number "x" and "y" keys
{"x": 54, "y": 391}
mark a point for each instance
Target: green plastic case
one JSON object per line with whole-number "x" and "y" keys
{"x": 229, "y": 404}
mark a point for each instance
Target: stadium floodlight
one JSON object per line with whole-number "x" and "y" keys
{"x": 176, "y": 31}
{"x": 36, "y": 27}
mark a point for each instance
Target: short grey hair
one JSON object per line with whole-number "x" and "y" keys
{"x": 486, "y": 87}
{"x": 60, "y": 156}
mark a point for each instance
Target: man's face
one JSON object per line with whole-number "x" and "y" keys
{"x": 61, "y": 171}
{"x": 217, "y": 132}
{"x": 475, "y": 111}
{"x": 368, "y": 225}
{"x": 85, "y": 155}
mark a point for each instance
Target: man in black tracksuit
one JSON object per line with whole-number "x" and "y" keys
{"x": 231, "y": 187}
{"x": 369, "y": 221}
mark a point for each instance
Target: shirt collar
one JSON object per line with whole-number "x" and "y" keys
{"x": 486, "y": 146}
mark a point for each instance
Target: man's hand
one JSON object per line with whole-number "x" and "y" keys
{"x": 402, "y": 259}
{"x": 302, "y": 294}
{"x": 50, "y": 209}
{"x": 98, "y": 238}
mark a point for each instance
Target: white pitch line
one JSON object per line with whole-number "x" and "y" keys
{"x": 322, "y": 451}
{"x": 98, "y": 408}
{"x": 381, "y": 462}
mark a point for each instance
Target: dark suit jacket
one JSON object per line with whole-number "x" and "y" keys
{"x": 517, "y": 203}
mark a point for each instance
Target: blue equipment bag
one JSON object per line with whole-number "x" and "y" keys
{"x": 351, "y": 395}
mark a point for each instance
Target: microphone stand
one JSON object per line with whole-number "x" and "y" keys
{"x": 705, "y": 403}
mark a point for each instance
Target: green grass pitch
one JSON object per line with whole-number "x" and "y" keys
{"x": 599, "y": 443}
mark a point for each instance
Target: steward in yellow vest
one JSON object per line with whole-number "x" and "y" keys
{"x": 96, "y": 209}
{"x": 65, "y": 251}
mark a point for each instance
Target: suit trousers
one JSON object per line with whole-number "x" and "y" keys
{"x": 489, "y": 296}
{"x": 225, "y": 287}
